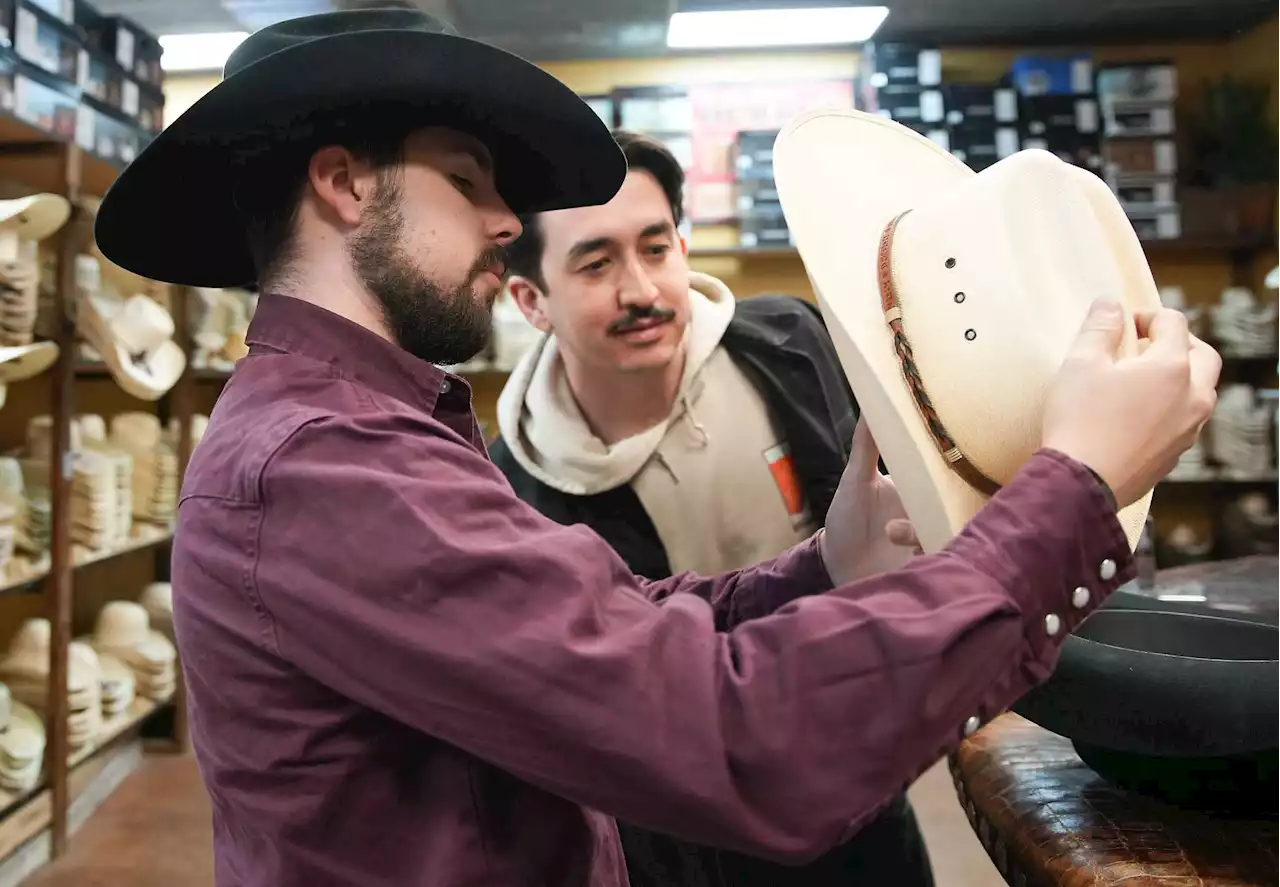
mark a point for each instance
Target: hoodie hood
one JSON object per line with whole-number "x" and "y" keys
{"x": 541, "y": 424}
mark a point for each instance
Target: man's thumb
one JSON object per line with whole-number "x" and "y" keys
{"x": 1102, "y": 331}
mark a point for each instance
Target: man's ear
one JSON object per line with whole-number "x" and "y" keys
{"x": 684, "y": 246}
{"x": 528, "y": 297}
{"x": 343, "y": 185}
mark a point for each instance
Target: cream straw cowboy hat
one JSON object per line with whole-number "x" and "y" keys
{"x": 952, "y": 296}
{"x": 135, "y": 339}
{"x": 21, "y": 362}
{"x": 35, "y": 217}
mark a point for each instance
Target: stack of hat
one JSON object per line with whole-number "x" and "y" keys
{"x": 124, "y": 631}
{"x": 1192, "y": 464}
{"x": 155, "y": 465}
{"x": 12, "y": 512}
{"x": 102, "y": 488}
{"x": 21, "y": 746}
{"x": 8, "y": 539}
{"x": 1248, "y": 527}
{"x": 19, "y": 296}
{"x": 93, "y": 501}
{"x": 93, "y": 430}
{"x": 1183, "y": 545}
{"x": 1242, "y": 430}
{"x": 85, "y": 720}
{"x": 25, "y": 670}
{"x": 35, "y": 524}
{"x": 118, "y": 685}
{"x": 157, "y": 600}
{"x": 218, "y": 321}
{"x": 23, "y": 223}
{"x": 199, "y": 422}
{"x": 36, "y": 532}
{"x": 1241, "y": 327}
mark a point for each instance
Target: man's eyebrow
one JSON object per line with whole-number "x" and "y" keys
{"x": 479, "y": 155}
{"x": 590, "y": 245}
{"x": 583, "y": 247}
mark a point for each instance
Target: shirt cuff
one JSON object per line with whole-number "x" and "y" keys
{"x": 1086, "y": 553}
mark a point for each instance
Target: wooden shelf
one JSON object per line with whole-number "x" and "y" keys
{"x": 27, "y": 145}
{"x": 142, "y": 536}
{"x": 111, "y": 730}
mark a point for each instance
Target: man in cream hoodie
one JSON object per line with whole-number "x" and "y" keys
{"x": 693, "y": 432}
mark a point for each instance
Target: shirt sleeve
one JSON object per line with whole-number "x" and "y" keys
{"x": 398, "y": 568}
{"x": 756, "y": 591}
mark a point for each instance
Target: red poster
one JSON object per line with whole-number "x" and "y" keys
{"x": 722, "y": 110}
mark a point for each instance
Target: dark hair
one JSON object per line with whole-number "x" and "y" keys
{"x": 270, "y": 184}
{"x": 524, "y": 256}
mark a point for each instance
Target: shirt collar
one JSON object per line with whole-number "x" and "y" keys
{"x": 299, "y": 327}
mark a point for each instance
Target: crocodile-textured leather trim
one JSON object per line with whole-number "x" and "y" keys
{"x": 1047, "y": 820}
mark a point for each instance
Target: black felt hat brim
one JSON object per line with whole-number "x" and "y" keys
{"x": 171, "y": 215}
{"x": 1163, "y": 684}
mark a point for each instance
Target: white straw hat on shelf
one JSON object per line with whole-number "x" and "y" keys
{"x": 135, "y": 339}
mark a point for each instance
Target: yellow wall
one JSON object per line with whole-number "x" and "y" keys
{"x": 181, "y": 92}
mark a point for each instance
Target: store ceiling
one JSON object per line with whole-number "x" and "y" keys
{"x": 558, "y": 29}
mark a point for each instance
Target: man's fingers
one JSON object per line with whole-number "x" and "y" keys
{"x": 1101, "y": 333}
{"x": 1167, "y": 329}
{"x": 1206, "y": 366}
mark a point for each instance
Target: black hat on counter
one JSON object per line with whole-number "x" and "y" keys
{"x": 1174, "y": 695}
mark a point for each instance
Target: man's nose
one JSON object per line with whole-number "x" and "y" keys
{"x": 636, "y": 288}
{"x": 501, "y": 224}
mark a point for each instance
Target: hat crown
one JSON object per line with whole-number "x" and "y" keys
{"x": 994, "y": 278}
{"x": 122, "y": 624}
{"x": 305, "y": 29}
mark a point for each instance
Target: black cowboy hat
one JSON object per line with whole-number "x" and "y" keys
{"x": 1174, "y": 702}
{"x": 172, "y": 214}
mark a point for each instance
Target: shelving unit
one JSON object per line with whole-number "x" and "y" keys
{"x": 36, "y": 825}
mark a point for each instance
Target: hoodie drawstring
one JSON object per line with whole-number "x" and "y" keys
{"x": 704, "y": 439}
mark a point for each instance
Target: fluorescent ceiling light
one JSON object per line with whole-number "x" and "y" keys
{"x": 723, "y": 29}
{"x": 198, "y": 52}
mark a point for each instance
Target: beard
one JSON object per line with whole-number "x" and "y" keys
{"x": 436, "y": 323}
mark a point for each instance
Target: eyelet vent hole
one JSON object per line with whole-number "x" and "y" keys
{"x": 951, "y": 263}
{"x": 959, "y": 298}
{"x": 970, "y": 335}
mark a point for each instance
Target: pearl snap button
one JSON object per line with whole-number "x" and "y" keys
{"x": 1107, "y": 570}
{"x": 1080, "y": 598}
{"x": 1052, "y": 624}
{"x": 971, "y": 725}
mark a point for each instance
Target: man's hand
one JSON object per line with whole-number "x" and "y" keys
{"x": 1130, "y": 418}
{"x": 867, "y": 530}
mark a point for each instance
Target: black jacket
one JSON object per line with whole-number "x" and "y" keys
{"x": 780, "y": 342}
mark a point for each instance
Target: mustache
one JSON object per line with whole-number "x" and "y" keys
{"x": 492, "y": 259}
{"x": 637, "y": 314}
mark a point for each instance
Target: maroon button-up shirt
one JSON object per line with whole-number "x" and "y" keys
{"x": 400, "y": 674}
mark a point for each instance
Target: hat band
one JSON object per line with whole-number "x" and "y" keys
{"x": 892, "y": 307}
